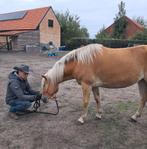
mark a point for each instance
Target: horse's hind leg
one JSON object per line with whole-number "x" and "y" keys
{"x": 86, "y": 96}
{"x": 143, "y": 92}
{"x": 96, "y": 94}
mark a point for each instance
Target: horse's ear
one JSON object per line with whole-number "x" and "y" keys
{"x": 43, "y": 76}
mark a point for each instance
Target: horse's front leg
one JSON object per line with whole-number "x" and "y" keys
{"x": 96, "y": 94}
{"x": 86, "y": 96}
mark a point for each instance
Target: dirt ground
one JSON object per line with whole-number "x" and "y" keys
{"x": 38, "y": 131}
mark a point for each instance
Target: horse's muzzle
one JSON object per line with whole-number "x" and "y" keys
{"x": 52, "y": 97}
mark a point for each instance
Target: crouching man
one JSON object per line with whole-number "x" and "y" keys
{"x": 19, "y": 95}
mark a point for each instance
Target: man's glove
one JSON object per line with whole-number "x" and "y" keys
{"x": 38, "y": 97}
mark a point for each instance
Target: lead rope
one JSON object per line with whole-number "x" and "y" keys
{"x": 37, "y": 105}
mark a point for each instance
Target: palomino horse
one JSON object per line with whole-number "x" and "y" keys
{"x": 95, "y": 66}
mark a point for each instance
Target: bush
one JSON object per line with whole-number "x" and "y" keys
{"x": 113, "y": 43}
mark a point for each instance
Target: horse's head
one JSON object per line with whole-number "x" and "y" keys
{"x": 49, "y": 89}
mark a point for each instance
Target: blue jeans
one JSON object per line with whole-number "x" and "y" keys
{"x": 19, "y": 106}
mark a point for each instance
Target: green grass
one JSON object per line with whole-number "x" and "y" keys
{"x": 124, "y": 106}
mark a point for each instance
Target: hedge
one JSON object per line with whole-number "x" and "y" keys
{"x": 113, "y": 43}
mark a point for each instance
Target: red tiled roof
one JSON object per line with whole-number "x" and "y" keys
{"x": 30, "y": 21}
{"x": 139, "y": 26}
{"x": 135, "y": 23}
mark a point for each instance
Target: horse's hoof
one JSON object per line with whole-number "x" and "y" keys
{"x": 133, "y": 120}
{"x": 98, "y": 116}
{"x": 81, "y": 120}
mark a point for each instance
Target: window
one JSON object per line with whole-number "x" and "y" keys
{"x": 50, "y": 23}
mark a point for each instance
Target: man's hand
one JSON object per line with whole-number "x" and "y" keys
{"x": 38, "y": 96}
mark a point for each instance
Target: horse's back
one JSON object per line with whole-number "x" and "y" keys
{"x": 115, "y": 67}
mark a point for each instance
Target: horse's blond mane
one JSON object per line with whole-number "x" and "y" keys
{"x": 84, "y": 54}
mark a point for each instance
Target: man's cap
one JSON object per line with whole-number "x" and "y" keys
{"x": 23, "y": 68}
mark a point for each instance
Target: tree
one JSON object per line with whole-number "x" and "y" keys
{"x": 70, "y": 27}
{"x": 141, "y": 21}
{"x": 141, "y": 35}
{"x": 102, "y": 34}
{"x": 120, "y": 23}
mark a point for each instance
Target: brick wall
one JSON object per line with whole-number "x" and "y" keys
{"x": 131, "y": 30}
{"x": 29, "y": 38}
{"x": 48, "y": 34}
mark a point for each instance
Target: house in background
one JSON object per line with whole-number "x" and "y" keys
{"x": 29, "y": 27}
{"x": 131, "y": 29}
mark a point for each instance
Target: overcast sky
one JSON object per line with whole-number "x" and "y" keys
{"x": 93, "y": 13}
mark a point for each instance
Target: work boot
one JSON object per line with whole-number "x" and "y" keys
{"x": 13, "y": 115}
{"x": 19, "y": 113}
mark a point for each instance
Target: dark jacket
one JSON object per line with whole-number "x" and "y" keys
{"x": 18, "y": 89}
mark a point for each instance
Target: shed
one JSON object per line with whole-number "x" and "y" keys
{"x": 29, "y": 27}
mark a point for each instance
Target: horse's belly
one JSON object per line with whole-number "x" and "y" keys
{"x": 117, "y": 82}
{"x": 119, "y": 77}
{"x": 117, "y": 85}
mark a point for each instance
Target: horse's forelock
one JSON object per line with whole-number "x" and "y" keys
{"x": 42, "y": 84}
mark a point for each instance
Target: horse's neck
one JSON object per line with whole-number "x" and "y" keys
{"x": 69, "y": 70}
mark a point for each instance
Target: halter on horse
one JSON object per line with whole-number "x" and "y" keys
{"x": 95, "y": 66}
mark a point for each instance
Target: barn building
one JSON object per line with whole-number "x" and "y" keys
{"x": 131, "y": 29}
{"x": 29, "y": 28}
